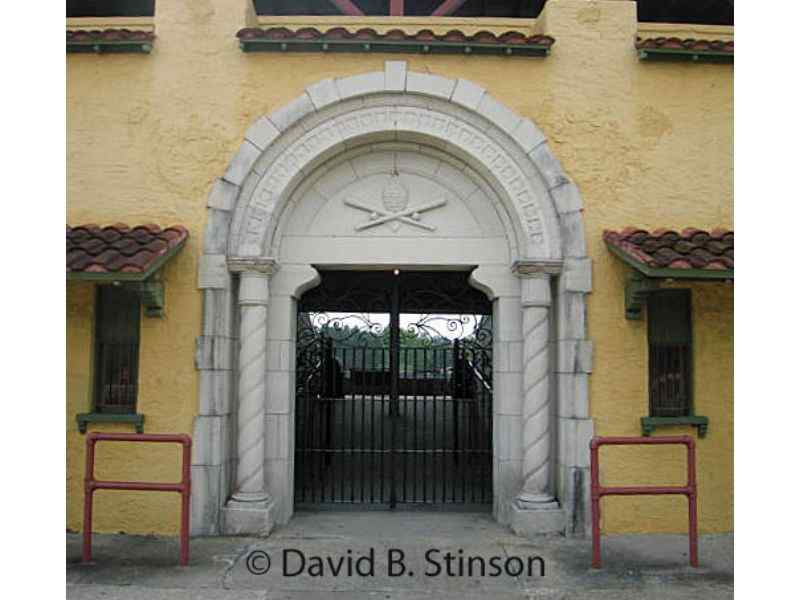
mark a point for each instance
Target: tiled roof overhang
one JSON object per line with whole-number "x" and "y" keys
{"x": 339, "y": 39}
{"x": 673, "y": 48}
{"x": 120, "y": 252}
{"x": 662, "y": 253}
{"x": 109, "y": 40}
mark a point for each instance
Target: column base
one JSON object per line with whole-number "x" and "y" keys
{"x": 530, "y": 519}
{"x": 248, "y": 518}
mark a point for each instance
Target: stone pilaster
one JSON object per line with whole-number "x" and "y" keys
{"x": 250, "y": 508}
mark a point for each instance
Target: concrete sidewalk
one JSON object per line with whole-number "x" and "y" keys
{"x": 640, "y": 566}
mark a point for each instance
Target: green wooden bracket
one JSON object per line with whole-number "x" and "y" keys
{"x": 151, "y": 295}
{"x": 636, "y": 289}
{"x": 677, "y": 54}
{"x": 649, "y": 424}
{"x": 84, "y": 419}
{"x": 108, "y": 47}
{"x": 404, "y": 46}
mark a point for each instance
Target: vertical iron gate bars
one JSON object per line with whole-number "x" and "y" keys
{"x": 434, "y": 397}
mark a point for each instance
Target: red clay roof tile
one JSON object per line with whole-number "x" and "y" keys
{"x": 119, "y": 248}
{"x": 688, "y": 44}
{"x": 664, "y": 248}
{"x": 108, "y": 35}
{"x": 367, "y": 34}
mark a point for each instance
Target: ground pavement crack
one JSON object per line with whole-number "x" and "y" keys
{"x": 227, "y": 575}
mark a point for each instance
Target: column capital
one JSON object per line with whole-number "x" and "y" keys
{"x": 541, "y": 268}
{"x": 252, "y": 264}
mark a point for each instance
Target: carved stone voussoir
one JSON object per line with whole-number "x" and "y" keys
{"x": 241, "y": 264}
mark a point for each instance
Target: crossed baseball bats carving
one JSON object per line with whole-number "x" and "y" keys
{"x": 409, "y": 215}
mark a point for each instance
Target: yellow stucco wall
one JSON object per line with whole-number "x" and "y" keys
{"x": 648, "y": 145}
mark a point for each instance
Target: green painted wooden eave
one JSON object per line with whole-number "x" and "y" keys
{"x": 119, "y": 47}
{"x": 124, "y": 277}
{"x": 656, "y": 54}
{"x": 435, "y": 47}
{"x": 692, "y": 274}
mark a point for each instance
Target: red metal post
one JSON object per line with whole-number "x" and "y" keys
{"x": 595, "y": 491}
{"x": 186, "y": 494}
{"x": 598, "y": 491}
{"x": 88, "y": 499}
{"x": 184, "y": 487}
{"x": 692, "y": 497}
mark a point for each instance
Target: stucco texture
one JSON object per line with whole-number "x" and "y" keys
{"x": 648, "y": 145}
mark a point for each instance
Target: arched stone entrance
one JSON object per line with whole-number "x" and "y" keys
{"x": 304, "y": 192}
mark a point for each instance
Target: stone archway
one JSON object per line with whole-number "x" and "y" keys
{"x": 250, "y": 278}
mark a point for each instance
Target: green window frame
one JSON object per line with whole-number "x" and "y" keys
{"x": 116, "y": 350}
{"x": 670, "y": 356}
{"x": 671, "y": 362}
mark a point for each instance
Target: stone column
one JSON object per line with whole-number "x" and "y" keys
{"x": 536, "y": 510}
{"x": 249, "y": 510}
{"x": 535, "y": 301}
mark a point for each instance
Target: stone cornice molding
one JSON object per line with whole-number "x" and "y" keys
{"x": 251, "y": 264}
{"x": 536, "y": 268}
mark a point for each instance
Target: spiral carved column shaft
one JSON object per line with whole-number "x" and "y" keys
{"x": 536, "y": 390}
{"x": 253, "y": 300}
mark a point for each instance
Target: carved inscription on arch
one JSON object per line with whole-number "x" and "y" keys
{"x": 280, "y": 174}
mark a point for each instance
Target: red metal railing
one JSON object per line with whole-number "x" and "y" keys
{"x": 184, "y": 487}
{"x": 689, "y": 490}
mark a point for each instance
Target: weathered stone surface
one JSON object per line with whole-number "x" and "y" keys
{"x": 567, "y": 198}
{"x": 498, "y": 113}
{"x": 262, "y": 133}
{"x": 574, "y": 437}
{"x": 578, "y": 275}
{"x": 248, "y": 518}
{"x": 573, "y": 389}
{"x": 222, "y": 195}
{"x": 205, "y": 505}
{"x": 217, "y": 231}
{"x": 361, "y": 84}
{"x": 241, "y": 163}
{"x": 573, "y": 238}
{"x": 549, "y": 166}
{"x": 288, "y": 115}
{"x": 527, "y": 135}
{"x": 430, "y": 85}
{"x": 213, "y": 272}
{"x": 467, "y": 94}
{"x": 323, "y": 93}
{"x": 531, "y": 523}
{"x": 209, "y": 440}
{"x": 395, "y": 75}
{"x": 213, "y": 352}
{"x": 215, "y": 392}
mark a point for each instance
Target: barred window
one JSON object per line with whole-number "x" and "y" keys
{"x": 669, "y": 332}
{"x": 116, "y": 366}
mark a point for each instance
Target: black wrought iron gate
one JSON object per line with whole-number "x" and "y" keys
{"x": 393, "y": 391}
